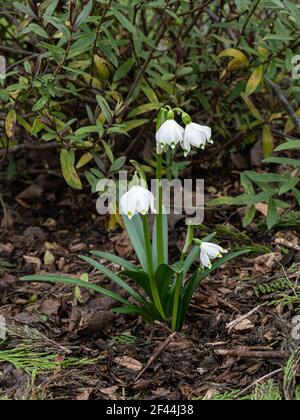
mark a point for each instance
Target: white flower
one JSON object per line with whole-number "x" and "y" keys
{"x": 169, "y": 134}
{"x": 210, "y": 251}
{"x": 195, "y": 135}
{"x": 137, "y": 200}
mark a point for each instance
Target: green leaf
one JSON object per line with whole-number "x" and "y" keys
{"x": 10, "y": 123}
{"x": 297, "y": 195}
{"x": 265, "y": 178}
{"x": 112, "y": 276}
{"x": 221, "y": 201}
{"x": 287, "y": 186}
{"x": 272, "y": 216}
{"x": 124, "y": 21}
{"x": 192, "y": 284}
{"x": 41, "y": 103}
{"x": 123, "y": 70}
{"x": 134, "y": 310}
{"x": 268, "y": 141}
{"x": 166, "y": 242}
{"x": 254, "y": 81}
{"x": 135, "y": 232}
{"x": 50, "y": 9}
{"x": 141, "y": 278}
{"x": 263, "y": 196}
{"x": 163, "y": 276}
{"x": 294, "y": 10}
{"x": 131, "y": 125}
{"x": 117, "y": 164}
{"x": 247, "y": 184}
{"x": 142, "y": 109}
{"x": 76, "y": 282}
{"x": 84, "y": 14}
{"x": 252, "y": 108}
{"x": 36, "y": 29}
{"x": 231, "y": 201}
{"x": 237, "y": 54}
{"x": 249, "y": 216}
{"x": 150, "y": 94}
{"x": 24, "y": 9}
{"x": 190, "y": 259}
{"x": 116, "y": 260}
{"x": 89, "y": 130}
{"x": 108, "y": 151}
{"x": 67, "y": 160}
{"x": 290, "y": 145}
{"x": 104, "y": 108}
{"x": 283, "y": 161}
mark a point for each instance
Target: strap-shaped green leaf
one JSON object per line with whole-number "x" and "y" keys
{"x": 190, "y": 259}
{"x": 116, "y": 260}
{"x": 114, "y": 278}
{"x": 75, "y": 282}
{"x": 191, "y": 286}
{"x": 134, "y": 229}
{"x": 141, "y": 278}
{"x": 166, "y": 242}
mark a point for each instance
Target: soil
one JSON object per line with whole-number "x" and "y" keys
{"x": 47, "y": 225}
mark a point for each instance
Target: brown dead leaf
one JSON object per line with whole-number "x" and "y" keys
{"x": 211, "y": 393}
{"x": 293, "y": 244}
{"x": 33, "y": 234}
{"x": 7, "y": 248}
{"x": 142, "y": 385}
{"x": 265, "y": 263}
{"x": 33, "y": 260}
{"x": 262, "y": 208}
{"x": 49, "y": 307}
{"x": 181, "y": 344}
{"x": 92, "y": 323}
{"x": 243, "y": 325}
{"x": 122, "y": 245}
{"x": 129, "y": 363}
{"x": 78, "y": 247}
{"x": 161, "y": 392}
{"x": 84, "y": 395}
{"x": 6, "y": 281}
{"x": 110, "y": 390}
{"x": 30, "y": 195}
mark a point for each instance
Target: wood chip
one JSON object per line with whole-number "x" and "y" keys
{"x": 243, "y": 325}
{"x": 129, "y": 363}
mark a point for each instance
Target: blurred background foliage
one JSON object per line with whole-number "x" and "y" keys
{"x": 87, "y": 77}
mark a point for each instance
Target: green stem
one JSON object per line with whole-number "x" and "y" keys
{"x": 153, "y": 286}
{"x": 159, "y": 217}
{"x": 179, "y": 279}
{"x": 188, "y": 241}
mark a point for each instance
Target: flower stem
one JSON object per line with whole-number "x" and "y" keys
{"x": 188, "y": 241}
{"x": 153, "y": 286}
{"x": 179, "y": 279}
{"x": 159, "y": 217}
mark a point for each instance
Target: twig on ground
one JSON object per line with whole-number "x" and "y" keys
{"x": 244, "y": 353}
{"x": 231, "y": 325}
{"x": 156, "y": 353}
{"x": 264, "y": 378}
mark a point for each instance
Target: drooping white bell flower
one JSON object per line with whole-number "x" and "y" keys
{"x": 169, "y": 134}
{"x": 210, "y": 251}
{"x": 137, "y": 200}
{"x": 195, "y": 135}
